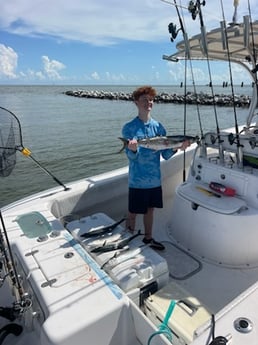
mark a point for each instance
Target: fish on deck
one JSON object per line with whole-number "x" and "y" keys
{"x": 162, "y": 142}
{"x": 120, "y": 244}
{"x": 100, "y": 230}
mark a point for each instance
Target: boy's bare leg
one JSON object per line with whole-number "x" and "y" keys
{"x": 148, "y": 223}
{"x": 130, "y": 221}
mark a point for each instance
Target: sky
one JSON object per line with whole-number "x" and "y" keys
{"x": 103, "y": 42}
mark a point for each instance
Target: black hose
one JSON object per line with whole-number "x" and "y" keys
{"x": 219, "y": 341}
{"x": 11, "y": 328}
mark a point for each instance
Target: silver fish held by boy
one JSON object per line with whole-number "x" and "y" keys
{"x": 162, "y": 142}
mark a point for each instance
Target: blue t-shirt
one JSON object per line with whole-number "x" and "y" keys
{"x": 144, "y": 165}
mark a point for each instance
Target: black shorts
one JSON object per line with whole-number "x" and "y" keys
{"x": 139, "y": 200}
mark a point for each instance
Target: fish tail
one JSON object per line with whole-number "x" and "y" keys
{"x": 125, "y": 142}
{"x": 113, "y": 226}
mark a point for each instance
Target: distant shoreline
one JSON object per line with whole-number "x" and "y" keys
{"x": 190, "y": 98}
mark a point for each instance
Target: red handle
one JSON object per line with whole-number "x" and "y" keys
{"x": 220, "y": 188}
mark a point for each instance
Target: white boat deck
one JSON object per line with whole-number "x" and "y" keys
{"x": 72, "y": 295}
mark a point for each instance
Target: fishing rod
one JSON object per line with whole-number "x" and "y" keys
{"x": 9, "y": 313}
{"x": 188, "y": 54}
{"x": 26, "y": 152}
{"x": 6, "y": 260}
{"x": 253, "y": 46}
{"x": 23, "y": 300}
{"x": 203, "y": 147}
{"x": 248, "y": 24}
{"x": 185, "y": 81}
{"x": 252, "y": 31}
{"x": 224, "y": 31}
{"x": 195, "y": 9}
{"x": 173, "y": 31}
{"x": 10, "y": 263}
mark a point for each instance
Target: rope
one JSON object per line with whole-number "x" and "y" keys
{"x": 163, "y": 328}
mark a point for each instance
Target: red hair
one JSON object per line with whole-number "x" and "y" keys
{"x": 144, "y": 90}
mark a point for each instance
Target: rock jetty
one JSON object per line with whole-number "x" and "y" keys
{"x": 190, "y": 98}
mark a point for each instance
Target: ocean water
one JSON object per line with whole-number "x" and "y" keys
{"x": 74, "y": 138}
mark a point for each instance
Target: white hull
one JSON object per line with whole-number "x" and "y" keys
{"x": 75, "y": 301}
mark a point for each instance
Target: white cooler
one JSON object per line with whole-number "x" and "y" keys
{"x": 139, "y": 276}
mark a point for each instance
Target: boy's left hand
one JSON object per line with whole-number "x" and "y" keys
{"x": 185, "y": 144}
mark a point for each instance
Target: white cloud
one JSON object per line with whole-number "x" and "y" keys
{"x": 95, "y": 76}
{"x": 102, "y": 22}
{"x": 52, "y": 67}
{"x": 111, "y": 77}
{"x": 33, "y": 75}
{"x": 93, "y": 21}
{"x": 8, "y": 65}
{"x": 8, "y": 62}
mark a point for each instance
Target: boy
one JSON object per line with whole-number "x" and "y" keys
{"x": 145, "y": 191}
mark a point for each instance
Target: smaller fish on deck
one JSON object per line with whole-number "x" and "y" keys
{"x": 100, "y": 230}
{"x": 162, "y": 142}
{"x": 120, "y": 244}
{"x": 103, "y": 239}
{"x": 120, "y": 257}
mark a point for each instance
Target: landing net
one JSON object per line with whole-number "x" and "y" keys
{"x": 10, "y": 141}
